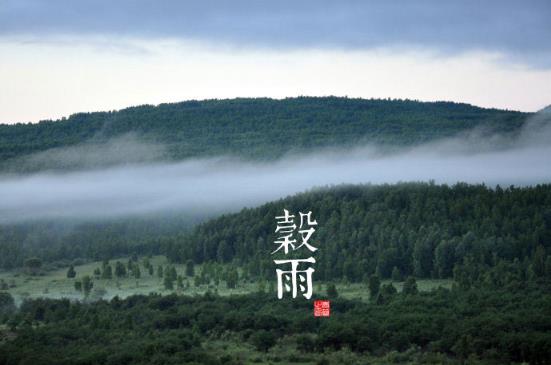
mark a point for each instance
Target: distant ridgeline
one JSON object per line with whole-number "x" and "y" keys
{"x": 255, "y": 128}
{"x": 417, "y": 229}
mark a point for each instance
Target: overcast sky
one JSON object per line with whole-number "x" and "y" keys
{"x": 59, "y": 57}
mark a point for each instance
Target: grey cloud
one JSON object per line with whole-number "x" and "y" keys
{"x": 520, "y": 29}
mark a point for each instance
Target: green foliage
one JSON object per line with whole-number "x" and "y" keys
{"x": 374, "y": 286}
{"x": 254, "y": 128}
{"x": 263, "y": 340}
{"x": 33, "y": 265}
{"x": 490, "y": 325}
{"x": 232, "y": 277}
{"x": 410, "y": 286}
{"x": 180, "y": 283}
{"x": 87, "y": 285}
{"x": 7, "y": 304}
{"x": 168, "y": 283}
{"x": 120, "y": 270}
{"x": 190, "y": 268}
{"x": 332, "y": 291}
{"x": 71, "y": 273}
{"x": 386, "y": 294}
{"x": 421, "y": 229}
{"x": 396, "y": 274}
{"x": 107, "y": 272}
{"x": 444, "y": 257}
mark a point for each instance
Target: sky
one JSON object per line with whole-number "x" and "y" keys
{"x": 59, "y": 57}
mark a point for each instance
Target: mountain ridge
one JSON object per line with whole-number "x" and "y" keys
{"x": 258, "y": 128}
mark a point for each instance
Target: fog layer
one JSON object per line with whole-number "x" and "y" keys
{"x": 226, "y": 184}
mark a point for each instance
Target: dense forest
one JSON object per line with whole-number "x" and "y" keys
{"x": 253, "y": 128}
{"x": 493, "y": 244}
{"x": 420, "y": 229}
{"x": 485, "y": 324}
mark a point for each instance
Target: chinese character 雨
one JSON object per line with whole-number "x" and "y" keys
{"x": 290, "y": 280}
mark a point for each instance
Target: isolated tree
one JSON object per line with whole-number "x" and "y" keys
{"x": 97, "y": 272}
{"x": 386, "y": 292}
{"x": 136, "y": 272}
{"x": 78, "y": 285}
{"x": 87, "y": 285}
{"x": 33, "y": 264}
{"x": 232, "y": 276}
{"x": 374, "y": 286}
{"x": 120, "y": 270}
{"x": 7, "y": 304}
{"x": 107, "y": 272}
{"x": 150, "y": 270}
{"x": 190, "y": 268}
{"x": 168, "y": 283}
{"x": 332, "y": 291}
{"x": 396, "y": 275}
{"x": 171, "y": 273}
{"x": 160, "y": 271}
{"x": 71, "y": 273}
{"x": 410, "y": 286}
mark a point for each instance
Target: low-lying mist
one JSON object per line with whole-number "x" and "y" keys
{"x": 223, "y": 184}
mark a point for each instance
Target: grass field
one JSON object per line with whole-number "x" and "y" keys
{"x": 55, "y": 284}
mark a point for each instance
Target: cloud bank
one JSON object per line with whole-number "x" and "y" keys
{"x": 216, "y": 185}
{"x": 520, "y": 29}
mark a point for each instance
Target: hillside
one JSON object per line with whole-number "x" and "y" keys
{"x": 256, "y": 128}
{"x": 406, "y": 229}
{"x": 495, "y": 243}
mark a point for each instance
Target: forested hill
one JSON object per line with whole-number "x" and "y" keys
{"x": 259, "y": 128}
{"x": 416, "y": 229}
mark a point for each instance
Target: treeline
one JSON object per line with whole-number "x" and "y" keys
{"x": 59, "y": 243}
{"x": 419, "y": 229}
{"x": 459, "y": 326}
{"x": 255, "y": 128}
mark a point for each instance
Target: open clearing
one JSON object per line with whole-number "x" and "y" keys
{"x": 55, "y": 284}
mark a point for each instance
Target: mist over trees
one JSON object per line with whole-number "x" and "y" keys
{"x": 258, "y": 128}
{"x": 494, "y": 242}
{"x": 395, "y": 231}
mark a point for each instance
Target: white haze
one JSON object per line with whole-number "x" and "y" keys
{"x": 210, "y": 186}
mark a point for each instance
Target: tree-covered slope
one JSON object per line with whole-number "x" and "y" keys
{"x": 259, "y": 128}
{"x": 416, "y": 229}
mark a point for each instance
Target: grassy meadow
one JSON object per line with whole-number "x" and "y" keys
{"x": 55, "y": 283}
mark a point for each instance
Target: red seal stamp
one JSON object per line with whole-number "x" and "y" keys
{"x": 322, "y": 308}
